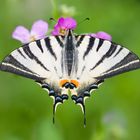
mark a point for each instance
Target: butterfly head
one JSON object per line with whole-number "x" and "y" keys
{"x": 62, "y": 31}
{"x": 63, "y": 25}
{"x": 65, "y": 32}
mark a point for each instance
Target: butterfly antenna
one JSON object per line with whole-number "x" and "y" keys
{"x": 52, "y": 19}
{"x": 83, "y": 21}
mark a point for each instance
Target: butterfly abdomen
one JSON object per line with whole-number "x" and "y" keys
{"x": 69, "y": 53}
{"x": 69, "y": 61}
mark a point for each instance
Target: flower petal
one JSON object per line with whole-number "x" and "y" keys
{"x": 67, "y": 23}
{"x": 93, "y": 35}
{"x": 56, "y": 30}
{"x": 104, "y": 35}
{"x": 22, "y": 34}
{"x": 39, "y": 29}
{"x": 60, "y": 22}
{"x": 64, "y": 24}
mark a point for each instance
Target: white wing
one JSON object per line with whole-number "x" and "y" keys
{"x": 41, "y": 61}
{"x": 37, "y": 60}
{"x": 100, "y": 59}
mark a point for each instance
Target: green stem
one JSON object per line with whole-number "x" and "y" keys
{"x": 54, "y": 9}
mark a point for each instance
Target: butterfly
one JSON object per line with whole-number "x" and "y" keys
{"x": 76, "y": 64}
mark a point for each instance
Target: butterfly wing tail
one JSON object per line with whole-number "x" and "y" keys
{"x": 83, "y": 94}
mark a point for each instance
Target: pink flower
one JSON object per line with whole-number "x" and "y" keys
{"x": 38, "y": 31}
{"x": 64, "y": 24}
{"x": 102, "y": 35}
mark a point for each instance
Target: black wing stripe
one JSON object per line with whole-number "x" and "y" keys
{"x": 80, "y": 40}
{"x": 100, "y": 44}
{"x": 49, "y": 47}
{"x": 32, "y": 56}
{"x": 108, "y": 54}
{"x": 21, "y": 53}
{"x": 130, "y": 62}
{"x": 11, "y": 60}
{"x": 76, "y": 37}
{"x": 118, "y": 51}
{"x": 38, "y": 43}
{"x": 127, "y": 59}
{"x": 132, "y": 66}
{"x": 111, "y": 51}
{"x": 10, "y": 68}
{"x": 59, "y": 41}
{"x": 90, "y": 46}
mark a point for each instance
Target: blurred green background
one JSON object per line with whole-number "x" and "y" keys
{"x": 113, "y": 112}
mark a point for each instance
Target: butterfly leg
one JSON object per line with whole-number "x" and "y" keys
{"x": 55, "y": 94}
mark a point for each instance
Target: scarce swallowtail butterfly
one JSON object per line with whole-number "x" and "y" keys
{"x": 71, "y": 63}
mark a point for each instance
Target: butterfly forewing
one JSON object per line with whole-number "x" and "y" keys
{"x": 37, "y": 60}
{"x": 103, "y": 59}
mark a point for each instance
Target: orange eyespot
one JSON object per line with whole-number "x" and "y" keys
{"x": 75, "y": 82}
{"x": 62, "y": 82}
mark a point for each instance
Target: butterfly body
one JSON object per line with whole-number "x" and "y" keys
{"x": 75, "y": 63}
